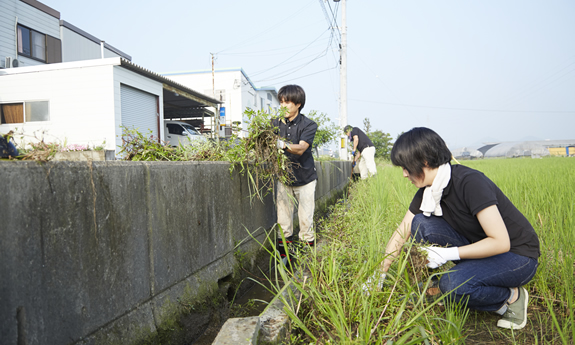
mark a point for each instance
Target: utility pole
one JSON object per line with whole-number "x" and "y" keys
{"x": 343, "y": 81}
{"x": 217, "y": 110}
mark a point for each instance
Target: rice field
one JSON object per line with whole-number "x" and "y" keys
{"x": 333, "y": 308}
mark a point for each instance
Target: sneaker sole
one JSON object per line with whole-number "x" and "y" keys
{"x": 511, "y": 325}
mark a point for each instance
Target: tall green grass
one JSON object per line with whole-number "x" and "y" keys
{"x": 333, "y": 308}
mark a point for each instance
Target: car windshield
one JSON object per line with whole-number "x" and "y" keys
{"x": 191, "y": 129}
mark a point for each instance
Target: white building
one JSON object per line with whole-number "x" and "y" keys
{"x": 61, "y": 84}
{"x": 33, "y": 34}
{"x": 235, "y": 90}
{"x": 88, "y": 102}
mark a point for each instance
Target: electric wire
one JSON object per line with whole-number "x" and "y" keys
{"x": 533, "y": 92}
{"x": 528, "y": 88}
{"x": 280, "y": 51}
{"x": 307, "y": 75}
{"x": 267, "y": 30}
{"x": 294, "y": 69}
{"x": 468, "y": 109}
{"x": 292, "y": 56}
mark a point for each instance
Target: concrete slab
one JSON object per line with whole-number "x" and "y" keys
{"x": 239, "y": 331}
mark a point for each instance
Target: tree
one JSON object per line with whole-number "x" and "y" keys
{"x": 382, "y": 143}
{"x": 327, "y": 131}
{"x": 366, "y": 125}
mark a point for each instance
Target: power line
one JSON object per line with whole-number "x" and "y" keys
{"x": 280, "y": 51}
{"x": 303, "y": 76}
{"x": 527, "y": 88}
{"x": 334, "y": 23}
{"x": 469, "y": 109}
{"x": 278, "y": 22}
{"x": 289, "y": 58}
{"x": 294, "y": 69}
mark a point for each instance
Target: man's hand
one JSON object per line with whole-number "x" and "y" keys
{"x": 353, "y": 153}
{"x": 374, "y": 282}
{"x": 281, "y": 144}
{"x": 438, "y": 256}
{"x": 353, "y": 164}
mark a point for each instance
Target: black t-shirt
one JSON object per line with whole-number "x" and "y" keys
{"x": 470, "y": 191}
{"x": 364, "y": 140}
{"x": 301, "y": 128}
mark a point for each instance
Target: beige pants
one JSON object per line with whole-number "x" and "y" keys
{"x": 304, "y": 198}
{"x": 366, "y": 163}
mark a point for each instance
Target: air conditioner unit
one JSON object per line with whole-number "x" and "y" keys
{"x": 10, "y": 62}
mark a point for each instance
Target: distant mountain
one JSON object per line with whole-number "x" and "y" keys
{"x": 530, "y": 138}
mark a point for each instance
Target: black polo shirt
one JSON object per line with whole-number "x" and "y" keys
{"x": 301, "y": 128}
{"x": 364, "y": 140}
{"x": 470, "y": 191}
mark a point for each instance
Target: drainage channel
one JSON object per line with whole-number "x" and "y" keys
{"x": 252, "y": 303}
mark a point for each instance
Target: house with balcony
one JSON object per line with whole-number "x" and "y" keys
{"x": 60, "y": 84}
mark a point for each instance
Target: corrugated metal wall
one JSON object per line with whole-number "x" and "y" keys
{"x": 139, "y": 110}
{"x": 76, "y": 47}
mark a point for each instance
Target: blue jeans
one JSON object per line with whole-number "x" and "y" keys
{"x": 484, "y": 283}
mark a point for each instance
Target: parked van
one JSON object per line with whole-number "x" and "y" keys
{"x": 177, "y": 132}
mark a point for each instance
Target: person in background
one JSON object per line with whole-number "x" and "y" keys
{"x": 7, "y": 148}
{"x": 462, "y": 216}
{"x": 296, "y": 134}
{"x": 363, "y": 151}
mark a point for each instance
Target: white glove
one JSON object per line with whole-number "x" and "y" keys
{"x": 438, "y": 256}
{"x": 375, "y": 281}
{"x": 281, "y": 144}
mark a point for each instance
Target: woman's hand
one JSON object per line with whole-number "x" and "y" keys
{"x": 438, "y": 256}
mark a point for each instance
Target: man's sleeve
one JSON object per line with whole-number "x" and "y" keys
{"x": 308, "y": 134}
{"x": 275, "y": 125}
{"x": 354, "y": 132}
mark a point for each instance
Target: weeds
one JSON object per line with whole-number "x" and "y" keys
{"x": 255, "y": 156}
{"x": 333, "y": 308}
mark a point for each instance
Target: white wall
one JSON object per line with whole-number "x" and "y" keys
{"x": 84, "y": 101}
{"x": 10, "y": 10}
{"x": 80, "y": 101}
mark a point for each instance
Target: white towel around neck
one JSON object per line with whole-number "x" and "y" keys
{"x": 432, "y": 194}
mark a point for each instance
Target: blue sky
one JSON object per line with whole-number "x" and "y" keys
{"x": 473, "y": 71}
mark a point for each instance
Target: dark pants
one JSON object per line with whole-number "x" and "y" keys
{"x": 484, "y": 282}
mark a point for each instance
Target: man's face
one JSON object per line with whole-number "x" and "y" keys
{"x": 291, "y": 108}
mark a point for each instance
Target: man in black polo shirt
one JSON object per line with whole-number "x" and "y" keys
{"x": 365, "y": 151}
{"x": 296, "y": 134}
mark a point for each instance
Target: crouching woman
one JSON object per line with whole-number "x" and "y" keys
{"x": 466, "y": 219}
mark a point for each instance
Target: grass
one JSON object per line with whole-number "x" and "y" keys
{"x": 334, "y": 309}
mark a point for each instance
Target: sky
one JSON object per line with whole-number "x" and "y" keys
{"x": 473, "y": 71}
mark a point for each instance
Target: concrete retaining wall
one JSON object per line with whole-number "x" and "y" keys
{"x": 99, "y": 252}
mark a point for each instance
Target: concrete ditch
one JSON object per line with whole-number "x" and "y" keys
{"x": 111, "y": 252}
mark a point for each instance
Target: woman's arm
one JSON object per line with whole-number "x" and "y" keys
{"x": 497, "y": 240}
{"x": 397, "y": 240}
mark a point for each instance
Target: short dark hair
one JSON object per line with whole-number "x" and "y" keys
{"x": 347, "y": 128}
{"x": 418, "y": 148}
{"x": 292, "y": 93}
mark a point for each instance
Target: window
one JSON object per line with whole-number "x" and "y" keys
{"x": 29, "y": 111}
{"x": 37, "y": 111}
{"x": 38, "y": 46}
{"x": 175, "y": 129}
